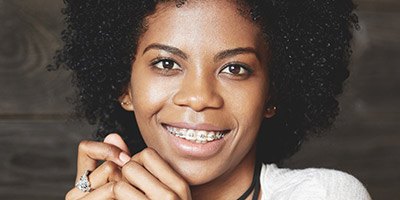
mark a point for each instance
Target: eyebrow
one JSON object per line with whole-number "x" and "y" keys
{"x": 221, "y": 55}
{"x": 167, "y": 48}
{"x": 233, "y": 52}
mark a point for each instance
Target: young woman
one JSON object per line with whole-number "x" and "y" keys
{"x": 205, "y": 98}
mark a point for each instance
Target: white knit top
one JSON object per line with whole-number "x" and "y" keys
{"x": 309, "y": 184}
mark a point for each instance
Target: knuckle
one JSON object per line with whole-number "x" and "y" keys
{"x": 170, "y": 196}
{"x": 148, "y": 153}
{"x": 128, "y": 167}
{"x": 69, "y": 195}
{"x": 110, "y": 167}
{"x": 119, "y": 187}
{"x": 182, "y": 188}
{"x": 111, "y": 187}
{"x": 83, "y": 144}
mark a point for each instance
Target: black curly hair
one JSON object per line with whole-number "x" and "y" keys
{"x": 309, "y": 43}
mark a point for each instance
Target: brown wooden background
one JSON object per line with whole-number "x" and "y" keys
{"x": 38, "y": 145}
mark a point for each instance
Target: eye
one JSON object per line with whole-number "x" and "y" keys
{"x": 166, "y": 64}
{"x": 236, "y": 70}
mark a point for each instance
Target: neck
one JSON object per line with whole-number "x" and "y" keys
{"x": 230, "y": 185}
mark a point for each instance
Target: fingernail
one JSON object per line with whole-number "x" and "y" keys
{"x": 124, "y": 157}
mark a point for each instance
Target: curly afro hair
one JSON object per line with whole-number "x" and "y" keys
{"x": 309, "y": 44}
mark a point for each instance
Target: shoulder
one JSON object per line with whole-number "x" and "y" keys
{"x": 311, "y": 183}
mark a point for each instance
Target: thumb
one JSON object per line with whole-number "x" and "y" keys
{"x": 115, "y": 139}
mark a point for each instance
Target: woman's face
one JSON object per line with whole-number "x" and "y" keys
{"x": 199, "y": 87}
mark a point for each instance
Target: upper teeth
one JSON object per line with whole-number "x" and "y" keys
{"x": 199, "y": 136}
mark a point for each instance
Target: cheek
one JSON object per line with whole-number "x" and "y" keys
{"x": 246, "y": 104}
{"x": 149, "y": 93}
{"x": 247, "y": 101}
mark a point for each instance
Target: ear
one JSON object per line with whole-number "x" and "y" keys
{"x": 270, "y": 112}
{"x": 126, "y": 101}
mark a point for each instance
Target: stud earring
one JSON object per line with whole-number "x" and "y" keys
{"x": 125, "y": 103}
{"x": 270, "y": 109}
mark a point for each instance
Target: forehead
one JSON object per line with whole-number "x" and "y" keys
{"x": 220, "y": 22}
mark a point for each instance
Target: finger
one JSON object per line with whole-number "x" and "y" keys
{"x": 125, "y": 191}
{"x": 90, "y": 152}
{"x": 105, "y": 192}
{"x": 117, "y": 141}
{"x": 142, "y": 179}
{"x": 106, "y": 172}
{"x": 157, "y": 166}
{"x": 153, "y": 163}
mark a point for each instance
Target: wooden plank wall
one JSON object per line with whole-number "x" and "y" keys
{"x": 38, "y": 144}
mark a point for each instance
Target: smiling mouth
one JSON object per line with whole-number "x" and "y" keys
{"x": 198, "y": 136}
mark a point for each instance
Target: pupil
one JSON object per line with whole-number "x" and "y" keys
{"x": 234, "y": 69}
{"x": 168, "y": 64}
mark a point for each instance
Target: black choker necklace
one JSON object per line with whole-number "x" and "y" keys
{"x": 255, "y": 183}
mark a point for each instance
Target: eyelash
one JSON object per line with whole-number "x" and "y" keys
{"x": 165, "y": 71}
{"x": 247, "y": 70}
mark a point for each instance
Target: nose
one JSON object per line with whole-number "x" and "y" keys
{"x": 199, "y": 93}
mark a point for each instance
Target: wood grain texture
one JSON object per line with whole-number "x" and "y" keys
{"x": 38, "y": 158}
{"x": 38, "y": 148}
{"x": 27, "y": 46}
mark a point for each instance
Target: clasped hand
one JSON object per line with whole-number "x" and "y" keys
{"x": 143, "y": 176}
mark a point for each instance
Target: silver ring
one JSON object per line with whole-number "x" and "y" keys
{"x": 83, "y": 184}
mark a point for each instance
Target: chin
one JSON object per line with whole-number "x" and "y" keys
{"x": 198, "y": 172}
